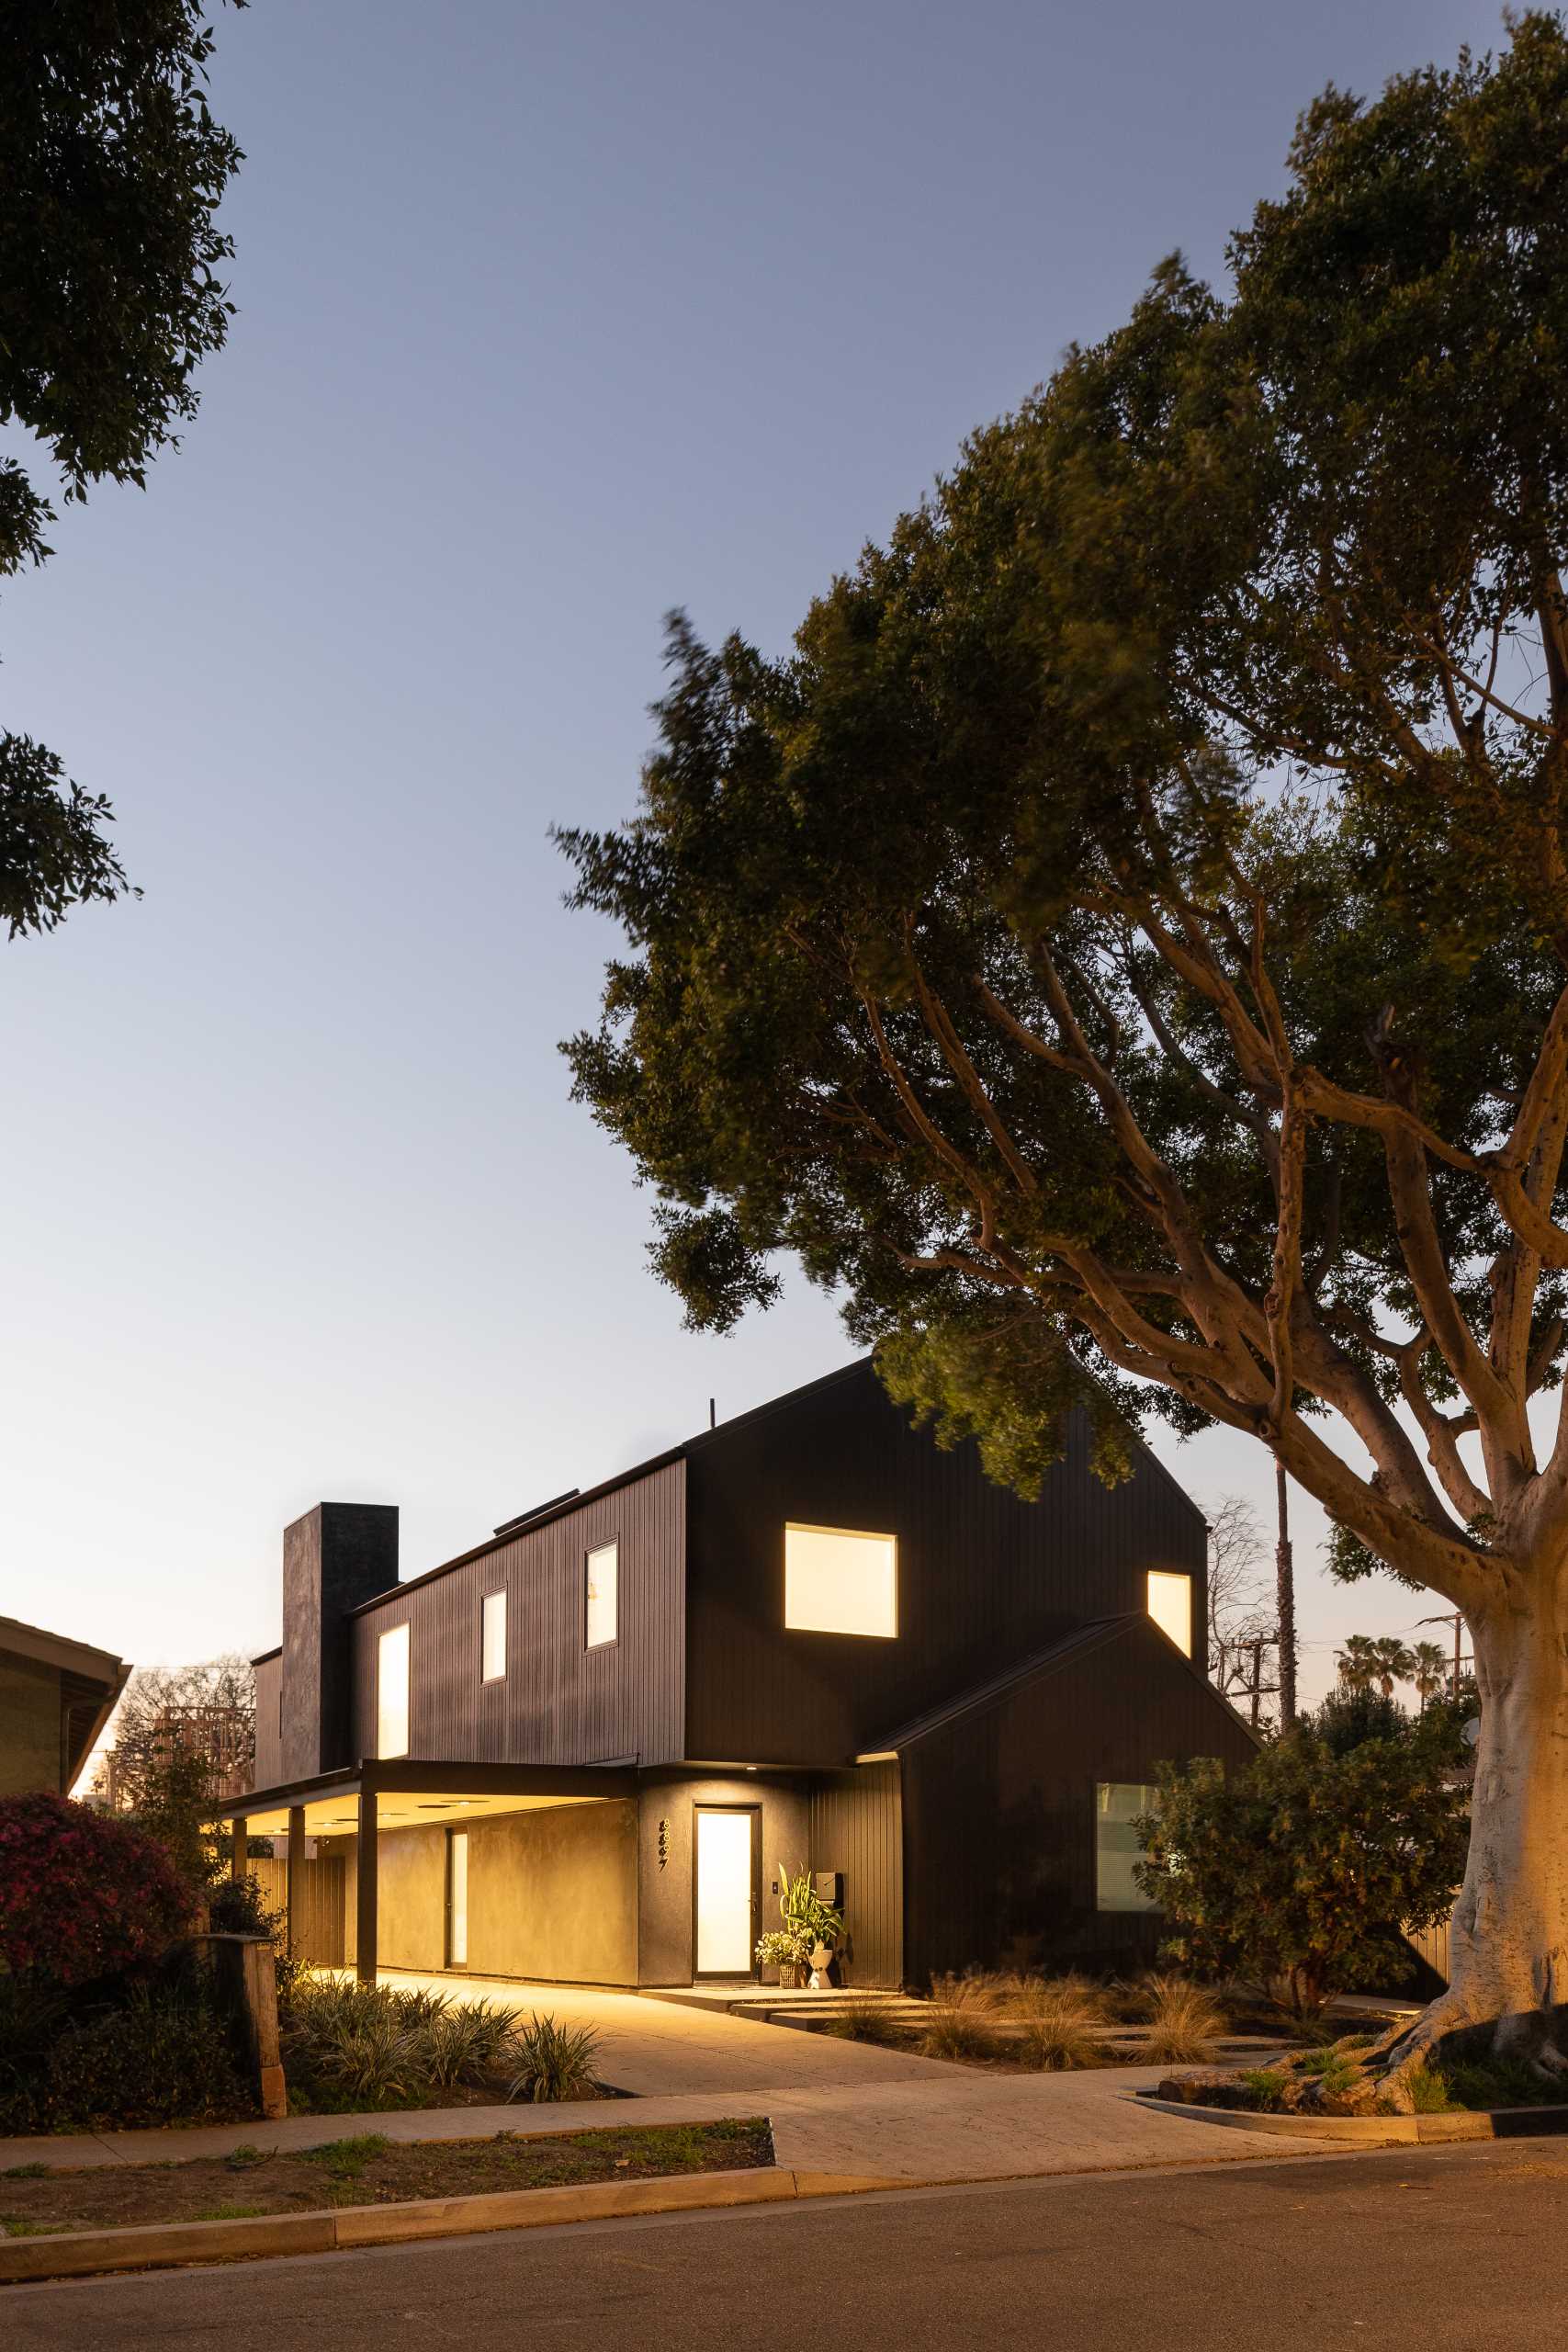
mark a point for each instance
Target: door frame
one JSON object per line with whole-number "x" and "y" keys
{"x": 454, "y": 1829}
{"x": 728, "y": 1975}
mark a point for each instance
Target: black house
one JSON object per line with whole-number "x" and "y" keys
{"x": 581, "y": 1751}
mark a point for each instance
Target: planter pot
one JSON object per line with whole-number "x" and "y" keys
{"x": 821, "y": 1962}
{"x": 789, "y": 1976}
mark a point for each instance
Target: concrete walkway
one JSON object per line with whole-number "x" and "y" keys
{"x": 836, "y": 2107}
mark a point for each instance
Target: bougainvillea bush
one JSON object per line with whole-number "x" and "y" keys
{"x": 82, "y": 1896}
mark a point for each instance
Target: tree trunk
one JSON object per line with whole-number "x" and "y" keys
{"x": 1508, "y": 1938}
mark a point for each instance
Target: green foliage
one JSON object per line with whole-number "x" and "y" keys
{"x": 471, "y": 2041}
{"x": 1347, "y": 1717}
{"x": 1498, "y": 2082}
{"x": 1152, "y": 765}
{"x": 111, "y": 169}
{"x": 555, "y": 2062}
{"x": 1301, "y": 1870}
{"x": 1264, "y": 2088}
{"x": 806, "y": 1916}
{"x": 175, "y": 1811}
{"x": 349, "y": 2047}
{"x": 162, "y": 2055}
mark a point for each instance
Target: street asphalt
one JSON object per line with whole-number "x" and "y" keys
{"x": 1433, "y": 2250}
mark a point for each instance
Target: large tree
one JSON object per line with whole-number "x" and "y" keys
{"x": 1121, "y": 949}
{"x": 111, "y": 168}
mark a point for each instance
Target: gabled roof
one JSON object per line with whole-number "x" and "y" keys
{"x": 1071, "y": 1650}
{"x": 90, "y": 1682}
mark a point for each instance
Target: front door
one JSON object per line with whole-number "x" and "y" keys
{"x": 724, "y": 1896}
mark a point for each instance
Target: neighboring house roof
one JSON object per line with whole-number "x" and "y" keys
{"x": 1070, "y": 1650}
{"x": 91, "y": 1681}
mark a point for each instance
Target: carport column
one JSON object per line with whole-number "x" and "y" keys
{"x": 294, "y": 1879}
{"x": 239, "y": 1847}
{"x": 365, "y": 1940}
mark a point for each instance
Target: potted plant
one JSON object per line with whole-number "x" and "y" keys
{"x": 781, "y": 1948}
{"x": 817, "y": 1926}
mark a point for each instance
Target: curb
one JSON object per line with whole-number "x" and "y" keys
{"x": 78, "y": 2254}
{"x": 1374, "y": 2131}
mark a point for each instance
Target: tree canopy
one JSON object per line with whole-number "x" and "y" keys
{"x": 111, "y": 170}
{"x": 1120, "y": 947}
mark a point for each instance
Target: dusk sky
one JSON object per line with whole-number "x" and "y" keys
{"x": 549, "y": 319}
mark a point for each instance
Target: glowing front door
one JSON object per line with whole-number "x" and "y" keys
{"x": 725, "y": 1892}
{"x": 456, "y": 1898}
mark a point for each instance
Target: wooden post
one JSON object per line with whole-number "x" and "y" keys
{"x": 239, "y": 1844}
{"x": 365, "y": 1938}
{"x": 294, "y": 1881}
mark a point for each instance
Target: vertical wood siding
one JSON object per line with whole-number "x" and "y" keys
{"x": 1000, "y": 1809}
{"x": 983, "y": 1577}
{"x": 558, "y": 1704}
{"x": 268, "y": 1769}
{"x": 857, "y": 1827}
{"x": 316, "y": 1935}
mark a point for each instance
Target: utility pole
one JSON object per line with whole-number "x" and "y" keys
{"x": 1286, "y": 1582}
{"x": 1256, "y": 1678}
{"x": 1457, "y": 1622}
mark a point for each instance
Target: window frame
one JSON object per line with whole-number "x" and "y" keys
{"x": 385, "y": 1755}
{"x": 496, "y": 1592}
{"x": 612, "y": 1544}
{"x": 1172, "y": 1577}
{"x": 1143, "y": 1908}
{"x": 855, "y": 1535}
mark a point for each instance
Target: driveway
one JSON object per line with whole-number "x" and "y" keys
{"x": 846, "y": 2107}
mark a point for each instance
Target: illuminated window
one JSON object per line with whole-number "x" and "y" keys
{"x": 1170, "y": 1606}
{"x": 602, "y": 1576}
{"x": 492, "y": 1636}
{"x": 392, "y": 1692}
{"x": 839, "y": 1582}
{"x": 1117, "y": 1804}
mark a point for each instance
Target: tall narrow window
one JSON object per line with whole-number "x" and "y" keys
{"x": 839, "y": 1582}
{"x": 1170, "y": 1606}
{"x": 492, "y": 1636}
{"x": 456, "y": 1898}
{"x": 602, "y": 1576}
{"x": 392, "y": 1692}
{"x": 1117, "y": 1804}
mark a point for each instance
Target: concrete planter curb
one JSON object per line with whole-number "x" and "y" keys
{"x": 1373, "y": 2131}
{"x": 78, "y": 2254}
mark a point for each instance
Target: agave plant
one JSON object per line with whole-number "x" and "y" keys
{"x": 470, "y": 2042}
{"x": 554, "y": 2062}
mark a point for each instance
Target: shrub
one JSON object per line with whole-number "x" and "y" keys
{"x": 961, "y": 2020}
{"x": 1185, "y": 2021}
{"x": 31, "y": 2017}
{"x": 1058, "y": 2015}
{"x": 471, "y": 2043}
{"x": 81, "y": 1895}
{"x": 1303, "y": 1870}
{"x": 1264, "y": 2088}
{"x": 161, "y": 2057}
{"x": 861, "y": 2017}
{"x": 555, "y": 2062}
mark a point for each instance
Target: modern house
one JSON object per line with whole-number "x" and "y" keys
{"x": 581, "y": 1751}
{"x": 56, "y": 1695}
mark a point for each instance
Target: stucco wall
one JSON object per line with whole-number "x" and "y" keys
{"x": 552, "y": 1894}
{"x": 665, "y": 1892}
{"x": 30, "y": 1726}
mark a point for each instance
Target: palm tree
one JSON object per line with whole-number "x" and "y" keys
{"x": 1392, "y": 1663}
{"x": 1358, "y": 1663}
{"x": 1430, "y": 1669}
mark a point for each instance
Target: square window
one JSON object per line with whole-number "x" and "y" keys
{"x": 837, "y": 1581}
{"x": 493, "y": 1637}
{"x": 1117, "y": 1804}
{"x": 1170, "y": 1606}
{"x": 602, "y": 1576}
{"x": 392, "y": 1692}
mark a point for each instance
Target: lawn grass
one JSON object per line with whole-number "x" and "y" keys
{"x": 368, "y": 2171}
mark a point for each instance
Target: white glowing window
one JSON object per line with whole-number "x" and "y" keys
{"x": 603, "y": 1577}
{"x": 492, "y": 1636}
{"x": 1117, "y": 1804}
{"x": 839, "y": 1582}
{"x": 392, "y": 1692}
{"x": 1170, "y": 1606}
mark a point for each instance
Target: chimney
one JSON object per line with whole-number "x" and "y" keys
{"x": 336, "y": 1556}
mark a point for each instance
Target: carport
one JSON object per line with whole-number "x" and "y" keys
{"x": 429, "y": 1809}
